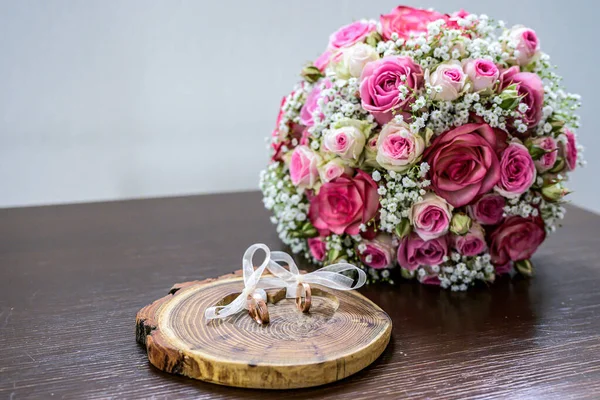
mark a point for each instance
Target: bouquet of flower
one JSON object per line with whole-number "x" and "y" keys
{"x": 439, "y": 144}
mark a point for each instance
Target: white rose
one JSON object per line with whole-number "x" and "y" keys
{"x": 357, "y": 56}
{"x": 398, "y": 148}
{"x": 347, "y": 142}
{"x": 450, "y": 77}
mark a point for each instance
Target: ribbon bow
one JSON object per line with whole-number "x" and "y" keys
{"x": 251, "y": 280}
{"x": 330, "y": 276}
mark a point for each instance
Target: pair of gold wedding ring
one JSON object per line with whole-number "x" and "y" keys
{"x": 257, "y": 303}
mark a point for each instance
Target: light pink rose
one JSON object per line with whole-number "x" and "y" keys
{"x": 548, "y": 160}
{"x": 414, "y": 251}
{"x": 349, "y": 34}
{"x": 568, "y": 149}
{"x": 379, "y": 252}
{"x": 317, "y": 248}
{"x": 345, "y": 203}
{"x": 448, "y": 76}
{"x": 516, "y": 239}
{"x": 356, "y": 57}
{"x": 488, "y": 210}
{"x": 309, "y": 107}
{"x": 379, "y": 91}
{"x": 531, "y": 88}
{"x": 334, "y": 169}
{"x": 398, "y": 148}
{"x": 346, "y": 142}
{"x": 463, "y": 163}
{"x": 431, "y": 217}
{"x": 483, "y": 74}
{"x": 526, "y": 44}
{"x": 406, "y": 20}
{"x": 303, "y": 167}
{"x": 517, "y": 171}
{"x": 323, "y": 60}
{"x": 472, "y": 243}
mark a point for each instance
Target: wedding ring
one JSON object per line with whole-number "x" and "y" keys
{"x": 303, "y": 304}
{"x": 257, "y": 308}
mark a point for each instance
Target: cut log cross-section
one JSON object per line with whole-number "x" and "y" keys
{"x": 342, "y": 334}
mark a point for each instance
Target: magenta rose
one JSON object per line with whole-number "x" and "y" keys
{"x": 568, "y": 149}
{"x": 431, "y": 217}
{"x": 377, "y": 253}
{"x": 349, "y": 34}
{"x": 380, "y": 80}
{"x": 488, "y": 210}
{"x": 503, "y": 269}
{"x": 516, "y": 239}
{"x": 531, "y": 88}
{"x": 472, "y": 243}
{"x": 547, "y": 161}
{"x": 463, "y": 163}
{"x": 317, "y": 248}
{"x": 430, "y": 280}
{"x": 345, "y": 203}
{"x": 406, "y": 20}
{"x": 517, "y": 171}
{"x": 414, "y": 251}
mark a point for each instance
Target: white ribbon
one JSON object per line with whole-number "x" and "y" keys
{"x": 251, "y": 279}
{"x": 330, "y": 276}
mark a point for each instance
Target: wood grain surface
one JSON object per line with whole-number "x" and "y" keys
{"x": 343, "y": 333}
{"x": 73, "y": 278}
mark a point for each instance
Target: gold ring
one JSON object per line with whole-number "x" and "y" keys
{"x": 303, "y": 304}
{"x": 257, "y": 308}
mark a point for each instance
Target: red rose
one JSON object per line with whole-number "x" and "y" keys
{"x": 516, "y": 239}
{"x": 406, "y": 20}
{"x": 344, "y": 203}
{"x": 464, "y": 163}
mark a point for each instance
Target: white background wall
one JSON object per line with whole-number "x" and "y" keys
{"x": 134, "y": 98}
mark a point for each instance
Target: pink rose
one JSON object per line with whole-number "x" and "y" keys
{"x": 406, "y": 20}
{"x": 472, "y": 243}
{"x": 430, "y": 280}
{"x": 517, "y": 171}
{"x": 483, "y": 74}
{"x": 398, "y": 148}
{"x": 568, "y": 149}
{"x": 379, "y": 86}
{"x": 503, "y": 268}
{"x": 378, "y": 253}
{"x": 463, "y": 163}
{"x": 334, "y": 169}
{"x": 345, "y": 203}
{"x": 317, "y": 248}
{"x": 323, "y": 60}
{"x": 548, "y": 160}
{"x": 516, "y": 239}
{"x": 303, "y": 167}
{"x": 531, "y": 88}
{"x": 449, "y": 77}
{"x": 525, "y": 43}
{"x": 431, "y": 217}
{"x": 310, "y": 106}
{"x": 414, "y": 251}
{"x": 349, "y": 34}
{"x": 488, "y": 210}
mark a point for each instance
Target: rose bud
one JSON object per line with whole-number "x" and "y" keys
{"x": 543, "y": 150}
{"x": 526, "y": 44}
{"x": 333, "y": 169}
{"x": 524, "y": 267}
{"x": 311, "y": 74}
{"x": 554, "y": 192}
{"x": 460, "y": 224}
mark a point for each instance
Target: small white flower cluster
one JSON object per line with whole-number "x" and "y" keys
{"x": 552, "y": 214}
{"x": 398, "y": 192}
{"x": 290, "y": 110}
{"x": 460, "y": 271}
{"x": 524, "y": 206}
{"x": 289, "y": 207}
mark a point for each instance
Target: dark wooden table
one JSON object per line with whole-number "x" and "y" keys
{"x": 73, "y": 278}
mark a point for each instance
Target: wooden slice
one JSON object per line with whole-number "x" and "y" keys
{"x": 343, "y": 333}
